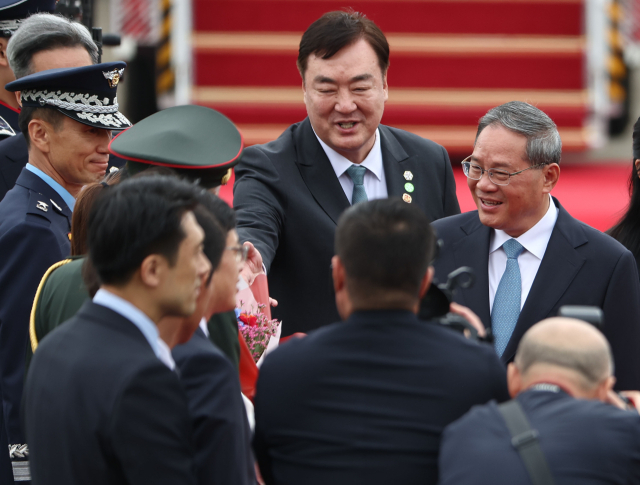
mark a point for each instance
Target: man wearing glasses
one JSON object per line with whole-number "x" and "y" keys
{"x": 529, "y": 255}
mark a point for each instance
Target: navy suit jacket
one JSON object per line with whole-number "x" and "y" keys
{"x": 218, "y": 416}
{"x": 584, "y": 442}
{"x": 365, "y": 401}
{"x": 581, "y": 266}
{"x": 31, "y": 240}
{"x": 101, "y": 408}
{"x": 288, "y": 201}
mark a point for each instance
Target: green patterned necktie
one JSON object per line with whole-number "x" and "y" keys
{"x": 356, "y": 172}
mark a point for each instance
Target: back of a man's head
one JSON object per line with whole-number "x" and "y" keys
{"x": 134, "y": 219}
{"x": 564, "y": 351}
{"x": 385, "y": 246}
{"x": 42, "y": 32}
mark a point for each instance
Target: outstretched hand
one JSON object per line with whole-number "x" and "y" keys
{"x": 252, "y": 266}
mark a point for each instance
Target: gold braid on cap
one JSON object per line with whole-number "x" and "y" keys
{"x": 226, "y": 177}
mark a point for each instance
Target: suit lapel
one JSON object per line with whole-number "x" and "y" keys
{"x": 559, "y": 266}
{"x": 473, "y": 251}
{"x": 395, "y": 162}
{"x": 318, "y": 174}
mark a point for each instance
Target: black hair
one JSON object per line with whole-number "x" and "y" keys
{"x": 136, "y": 218}
{"x": 336, "y": 30}
{"x": 627, "y": 230}
{"x": 384, "y": 244}
{"x": 223, "y": 213}
{"x": 215, "y": 238}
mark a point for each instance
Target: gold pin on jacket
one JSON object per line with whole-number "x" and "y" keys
{"x": 407, "y": 198}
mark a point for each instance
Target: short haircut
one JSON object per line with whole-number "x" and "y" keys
{"x": 336, "y": 30}
{"x": 543, "y": 140}
{"x": 134, "y": 219}
{"x": 43, "y": 32}
{"x": 214, "y": 237}
{"x": 48, "y": 113}
{"x": 384, "y": 244}
{"x": 593, "y": 364}
{"x": 223, "y": 213}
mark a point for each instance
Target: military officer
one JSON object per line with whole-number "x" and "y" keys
{"x": 67, "y": 116}
{"x": 42, "y": 41}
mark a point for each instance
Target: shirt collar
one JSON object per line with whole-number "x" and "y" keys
{"x": 536, "y": 239}
{"x": 62, "y": 192}
{"x": 133, "y": 314}
{"x": 373, "y": 161}
{"x": 164, "y": 354}
{"x": 203, "y": 326}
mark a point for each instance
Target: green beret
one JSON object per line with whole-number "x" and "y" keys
{"x": 197, "y": 142}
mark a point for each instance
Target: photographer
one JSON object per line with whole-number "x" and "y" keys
{"x": 563, "y": 379}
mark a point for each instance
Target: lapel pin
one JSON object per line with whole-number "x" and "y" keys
{"x": 409, "y": 187}
{"x": 42, "y": 206}
{"x": 406, "y": 198}
{"x": 408, "y": 175}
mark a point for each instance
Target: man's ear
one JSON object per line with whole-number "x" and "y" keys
{"x": 4, "y": 59}
{"x": 338, "y": 274}
{"x": 152, "y": 270}
{"x": 18, "y": 99}
{"x": 426, "y": 281}
{"x": 602, "y": 391}
{"x": 551, "y": 175}
{"x": 514, "y": 380}
{"x": 40, "y": 134}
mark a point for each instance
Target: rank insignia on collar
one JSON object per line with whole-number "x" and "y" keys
{"x": 5, "y": 128}
{"x": 56, "y": 205}
{"x": 113, "y": 76}
{"x": 42, "y": 206}
{"x": 408, "y": 175}
{"x": 406, "y": 198}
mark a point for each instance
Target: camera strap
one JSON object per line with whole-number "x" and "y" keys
{"x": 525, "y": 440}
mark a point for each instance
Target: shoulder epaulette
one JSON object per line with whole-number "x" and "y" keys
{"x": 32, "y": 320}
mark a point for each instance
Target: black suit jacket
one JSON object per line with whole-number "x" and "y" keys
{"x": 218, "y": 417}
{"x": 365, "y": 401}
{"x": 101, "y": 408}
{"x": 288, "y": 201}
{"x": 584, "y": 442}
{"x": 581, "y": 266}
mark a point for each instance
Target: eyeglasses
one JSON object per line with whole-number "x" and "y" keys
{"x": 241, "y": 252}
{"x": 498, "y": 177}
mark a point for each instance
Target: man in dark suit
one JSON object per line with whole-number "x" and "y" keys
{"x": 529, "y": 255}
{"x": 67, "y": 149}
{"x": 562, "y": 377}
{"x": 365, "y": 401}
{"x": 43, "y": 41}
{"x": 290, "y": 193}
{"x": 102, "y": 404}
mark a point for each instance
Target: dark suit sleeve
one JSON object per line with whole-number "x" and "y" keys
{"x": 622, "y": 322}
{"x": 222, "y": 447}
{"x": 260, "y": 447}
{"x": 150, "y": 430}
{"x": 260, "y": 207}
{"x": 450, "y": 202}
{"x": 26, "y": 252}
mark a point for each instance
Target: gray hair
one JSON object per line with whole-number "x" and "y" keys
{"x": 42, "y": 32}
{"x": 593, "y": 363}
{"x": 543, "y": 140}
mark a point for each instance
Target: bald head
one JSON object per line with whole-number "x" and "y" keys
{"x": 571, "y": 347}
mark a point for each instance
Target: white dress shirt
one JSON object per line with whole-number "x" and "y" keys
{"x": 534, "y": 241}
{"x": 375, "y": 183}
{"x": 139, "y": 319}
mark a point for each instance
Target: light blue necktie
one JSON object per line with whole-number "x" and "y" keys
{"x": 506, "y": 305}
{"x": 356, "y": 172}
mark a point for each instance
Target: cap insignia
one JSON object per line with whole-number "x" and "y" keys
{"x": 42, "y": 206}
{"x": 113, "y": 76}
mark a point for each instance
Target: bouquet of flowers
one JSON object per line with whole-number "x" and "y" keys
{"x": 256, "y": 328}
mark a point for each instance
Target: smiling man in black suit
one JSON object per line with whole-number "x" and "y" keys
{"x": 529, "y": 255}
{"x": 290, "y": 193}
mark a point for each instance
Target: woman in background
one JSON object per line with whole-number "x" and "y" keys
{"x": 627, "y": 230}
